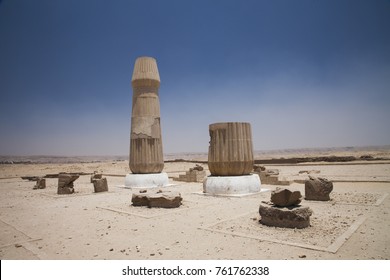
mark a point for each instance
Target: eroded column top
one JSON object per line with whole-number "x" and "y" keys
{"x": 145, "y": 69}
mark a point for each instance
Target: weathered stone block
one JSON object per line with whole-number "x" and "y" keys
{"x": 65, "y": 183}
{"x": 40, "y": 184}
{"x": 100, "y": 185}
{"x": 286, "y": 217}
{"x": 96, "y": 176}
{"x": 65, "y": 190}
{"x": 318, "y": 189}
{"x": 161, "y": 199}
{"x": 284, "y": 197}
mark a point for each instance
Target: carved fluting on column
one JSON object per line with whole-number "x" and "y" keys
{"x": 146, "y": 153}
{"x": 231, "y": 149}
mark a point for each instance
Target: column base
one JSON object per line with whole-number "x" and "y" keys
{"x": 232, "y": 185}
{"x": 153, "y": 180}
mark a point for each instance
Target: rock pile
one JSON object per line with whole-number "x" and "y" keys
{"x": 159, "y": 198}
{"x": 318, "y": 189}
{"x": 284, "y": 210}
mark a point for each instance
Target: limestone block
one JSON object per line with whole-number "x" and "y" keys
{"x": 40, "y": 184}
{"x": 65, "y": 183}
{"x": 160, "y": 199}
{"x": 318, "y": 189}
{"x": 100, "y": 185}
{"x": 95, "y": 176}
{"x": 270, "y": 177}
{"x": 284, "y": 197}
{"x": 286, "y": 217}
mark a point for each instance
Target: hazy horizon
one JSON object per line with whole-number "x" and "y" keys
{"x": 267, "y": 151}
{"x": 305, "y": 74}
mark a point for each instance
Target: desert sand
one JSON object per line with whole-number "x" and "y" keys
{"x": 39, "y": 224}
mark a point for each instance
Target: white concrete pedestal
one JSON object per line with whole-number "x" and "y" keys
{"x": 153, "y": 180}
{"x": 232, "y": 185}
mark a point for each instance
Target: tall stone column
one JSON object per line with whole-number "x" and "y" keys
{"x": 146, "y": 160}
{"x": 146, "y": 153}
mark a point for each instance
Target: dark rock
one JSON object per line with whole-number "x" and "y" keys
{"x": 40, "y": 184}
{"x": 271, "y": 172}
{"x": 318, "y": 189}
{"x": 258, "y": 168}
{"x": 309, "y": 172}
{"x": 31, "y": 178}
{"x": 284, "y": 197}
{"x": 65, "y": 190}
{"x": 197, "y": 167}
{"x": 100, "y": 185}
{"x": 286, "y": 217}
{"x": 164, "y": 199}
{"x": 65, "y": 183}
{"x": 139, "y": 200}
{"x": 96, "y": 176}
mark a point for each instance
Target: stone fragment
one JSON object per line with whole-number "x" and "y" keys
{"x": 31, "y": 178}
{"x": 193, "y": 175}
{"x": 270, "y": 176}
{"x": 96, "y": 176}
{"x": 293, "y": 217}
{"x": 258, "y": 168}
{"x": 140, "y": 199}
{"x": 318, "y": 189}
{"x": 40, "y": 184}
{"x": 100, "y": 185}
{"x": 284, "y": 197}
{"x": 163, "y": 199}
{"x": 197, "y": 168}
{"x": 65, "y": 183}
{"x": 309, "y": 172}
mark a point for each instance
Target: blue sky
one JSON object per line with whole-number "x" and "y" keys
{"x": 303, "y": 73}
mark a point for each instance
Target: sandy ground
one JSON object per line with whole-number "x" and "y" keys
{"x": 39, "y": 224}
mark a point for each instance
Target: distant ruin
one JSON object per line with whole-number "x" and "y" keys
{"x": 195, "y": 174}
